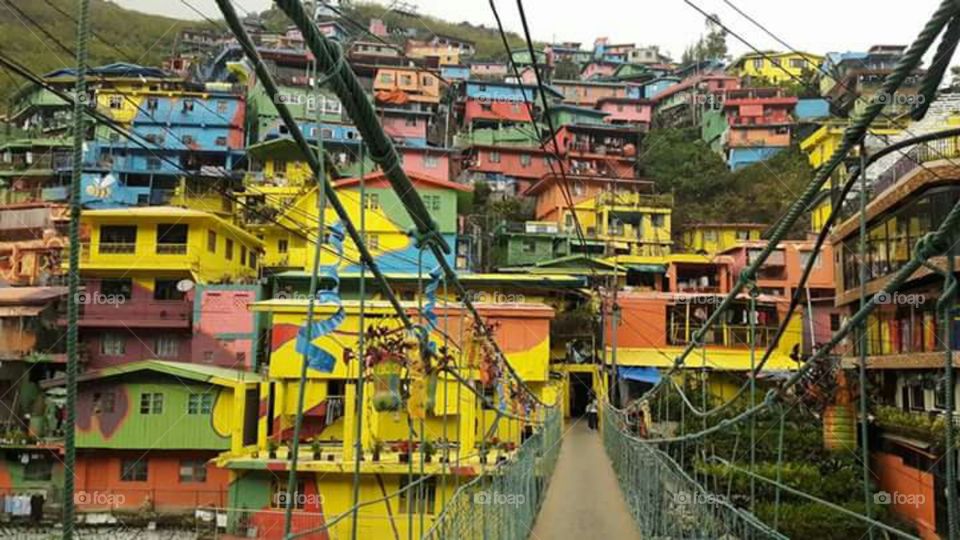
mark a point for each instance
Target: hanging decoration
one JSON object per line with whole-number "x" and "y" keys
{"x": 316, "y": 357}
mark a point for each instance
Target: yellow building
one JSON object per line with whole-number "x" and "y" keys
{"x": 419, "y": 85}
{"x": 440, "y": 409}
{"x": 819, "y": 147}
{"x": 182, "y": 242}
{"x": 446, "y": 55}
{"x": 776, "y": 67}
{"x": 713, "y": 238}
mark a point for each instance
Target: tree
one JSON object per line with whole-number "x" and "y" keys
{"x": 709, "y": 47}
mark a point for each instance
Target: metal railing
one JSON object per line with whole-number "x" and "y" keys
{"x": 947, "y": 148}
{"x": 117, "y": 247}
{"x": 733, "y": 336}
{"x": 503, "y": 503}
{"x": 171, "y": 249}
{"x": 664, "y": 501}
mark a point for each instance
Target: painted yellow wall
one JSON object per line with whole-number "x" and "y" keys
{"x": 762, "y": 66}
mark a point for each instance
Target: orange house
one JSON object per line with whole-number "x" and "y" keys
{"x": 400, "y": 85}
{"x": 552, "y": 204}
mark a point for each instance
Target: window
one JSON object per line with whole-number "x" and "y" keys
{"x": 658, "y": 220}
{"x": 386, "y": 78}
{"x": 710, "y": 236}
{"x": 166, "y": 346}
{"x": 279, "y": 497}
{"x": 243, "y": 255}
{"x": 940, "y": 394}
{"x": 117, "y": 288}
{"x": 834, "y": 322}
{"x": 228, "y": 248}
{"x": 917, "y": 397}
{"x": 279, "y": 167}
{"x": 529, "y": 246}
{"x": 798, "y": 63}
{"x": 494, "y": 157}
{"x": 187, "y": 105}
{"x": 166, "y": 289}
{"x": 427, "y": 80}
{"x": 221, "y": 141}
{"x": 525, "y": 160}
{"x": 758, "y": 63}
{"x": 372, "y": 241}
{"x": 116, "y": 102}
{"x": 200, "y": 404}
{"x": 187, "y": 139}
{"x": 133, "y": 470}
{"x": 118, "y": 239}
{"x": 151, "y": 403}
{"x": 104, "y": 402}
{"x": 113, "y": 344}
{"x": 371, "y": 201}
{"x": 38, "y": 470}
{"x": 152, "y": 103}
{"x": 221, "y": 106}
{"x": 283, "y": 245}
{"x": 193, "y": 470}
{"x": 432, "y": 202}
{"x": 743, "y": 235}
{"x": 578, "y": 189}
{"x": 411, "y": 121}
{"x": 805, "y": 259}
{"x": 430, "y": 162}
{"x": 212, "y": 241}
{"x": 253, "y": 260}
{"x": 418, "y": 499}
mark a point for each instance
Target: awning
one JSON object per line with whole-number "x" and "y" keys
{"x": 648, "y": 268}
{"x": 640, "y": 374}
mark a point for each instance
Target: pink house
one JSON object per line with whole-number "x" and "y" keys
{"x": 626, "y": 110}
{"x": 378, "y": 27}
{"x": 598, "y": 69}
{"x": 426, "y": 161}
{"x": 488, "y": 69}
{"x": 405, "y": 127}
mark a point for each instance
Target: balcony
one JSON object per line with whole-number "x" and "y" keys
{"x": 99, "y": 311}
{"x": 55, "y": 194}
{"x": 634, "y": 200}
{"x": 117, "y": 247}
{"x": 948, "y": 148}
{"x": 924, "y": 425}
{"x": 171, "y": 249}
{"x": 722, "y": 335}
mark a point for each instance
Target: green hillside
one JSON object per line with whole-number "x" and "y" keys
{"x": 489, "y": 44}
{"x": 146, "y": 39}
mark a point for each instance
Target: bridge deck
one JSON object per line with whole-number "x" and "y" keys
{"x": 583, "y": 500}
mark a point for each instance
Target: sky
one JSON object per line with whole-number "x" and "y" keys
{"x": 816, "y": 26}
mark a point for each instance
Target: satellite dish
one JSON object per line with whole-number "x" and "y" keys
{"x": 185, "y": 285}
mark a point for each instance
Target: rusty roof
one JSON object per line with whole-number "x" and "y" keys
{"x": 10, "y": 296}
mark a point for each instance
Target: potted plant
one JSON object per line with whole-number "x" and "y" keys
{"x": 403, "y": 449}
{"x": 272, "y": 447}
{"x": 428, "y": 451}
{"x": 377, "y": 448}
{"x": 317, "y": 450}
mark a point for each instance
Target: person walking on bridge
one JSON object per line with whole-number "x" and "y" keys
{"x": 592, "y": 413}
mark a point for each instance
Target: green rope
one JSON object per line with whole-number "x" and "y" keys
{"x": 73, "y": 279}
{"x": 776, "y": 503}
{"x": 348, "y": 88}
{"x": 361, "y": 357}
{"x": 862, "y": 371}
{"x": 311, "y": 306}
{"x": 946, "y": 304}
{"x": 909, "y": 61}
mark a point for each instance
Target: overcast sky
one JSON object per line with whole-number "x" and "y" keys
{"x": 813, "y": 25}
